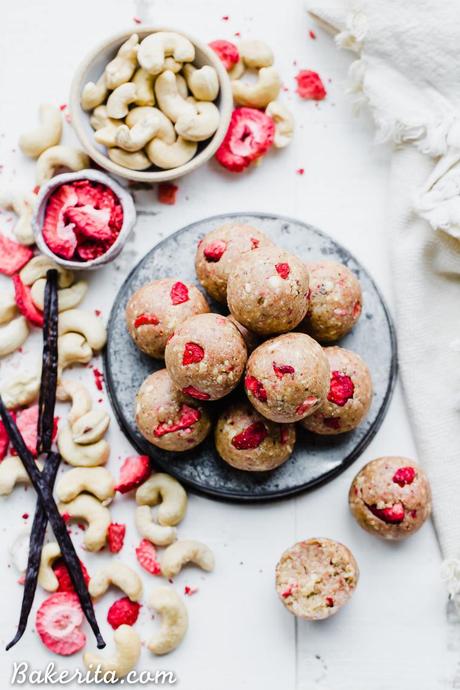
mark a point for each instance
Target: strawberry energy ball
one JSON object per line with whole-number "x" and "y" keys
{"x": 349, "y": 396}
{"x": 335, "y": 301}
{"x": 206, "y": 357}
{"x": 390, "y": 497}
{"x": 166, "y": 417}
{"x": 267, "y": 291}
{"x": 220, "y": 250}
{"x": 287, "y": 378}
{"x": 248, "y": 441}
{"x": 316, "y": 577}
{"x": 155, "y": 311}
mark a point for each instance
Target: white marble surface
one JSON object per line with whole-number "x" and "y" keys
{"x": 395, "y": 632}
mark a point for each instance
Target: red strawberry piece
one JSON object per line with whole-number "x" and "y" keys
{"x": 195, "y": 393}
{"x": 284, "y": 435}
{"x": 312, "y": 34}
{"x": 251, "y": 437}
{"x": 249, "y": 136}
{"x": 287, "y": 592}
{"x": 307, "y": 404}
{"x": 404, "y": 475}
{"x": 147, "y": 557}
{"x": 357, "y": 307}
{"x": 116, "y": 219}
{"x": 227, "y": 52}
{"x": 59, "y": 235}
{"x": 98, "y": 379}
{"x": 393, "y": 514}
{"x": 134, "y": 471}
{"x": 255, "y": 242}
{"x": 256, "y": 388}
{"x": 13, "y": 256}
{"x": 116, "y": 536}
{"x": 332, "y": 422}
{"x": 4, "y": 441}
{"x": 283, "y": 270}
{"x": 179, "y": 293}
{"x": 27, "y": 421}
{"x": 57, "y": 622}
{"x": 214, "y": 251}
{"x": 63, "y": 577}
{"x": 188, "y": 417}
{"x": 189, "y": 591}
{"x": 123, "y": 612}
{"x": 167, "y": 193}
{"x": 282, "y": 369}
{"x": 193, "y": 353}
{"x": 25, "y": 304}
{"x": 329, "y": 602}
{"x": 341, "y": 389}
{"x": 90, "y": 222}
{"x": 93, "y": 249}
{"x": 146, "y": 320}
{"x": 310, "y": 86}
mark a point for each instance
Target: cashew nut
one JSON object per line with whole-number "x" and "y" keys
{"x": 237, "y": 71}
{"x": 148, "y": 529}
{"x": 12, "y": 472}
{"x": 259, "y": 94}
{"x": 68, "y": 298}
{"x": 164, "y": 489}
{"x": 121, "y": 68}
{"x": 91, "y": 427}
{"x": 157, "y": 46}
{"x": 120, "y": 575}
{"x": 57, "y": 157}
{"x": 7, "y": 307}
{"x": 200, "y": 125}
{"x": 94, "y": 480}
{"x": 138, "y": 136}
{"x": 97, "y": 516}
{"x": 22, "y": 389}
{"x": 168, "y": 156}
{"x": 73, "y": 349}
{"x": 81, "y": 456}
{"x": 94, "y": 93}
{"x": 38, "y": 267}
{"x": 186, "y": 551}
{"x": 255, "y": 54}
{"x": 46, "y": 577}
{"x": 170, "y": 101}
{"x": 174, "y": 620}
{"x": 182, "y": 88}
{"x": 23, "y": 206}
{"x": 172, "y": 64}
{"x": 128, "y": 650}
{"x": 284, "y": 123}
{"x": 13, "y": 335}
{"x": 86, "y": 323}
{"x": 165, "y": 129}
{"x": 203, "y": 82}
{"x": 47, "y": 134}
{"x": 132, "y": 161}
{"x": 120, "y": 99}
{"x": 143, "y": 81}
{"x": 107, "y": 136}
{"x": 99, "y": 118}
{"x": 78, "y": 394}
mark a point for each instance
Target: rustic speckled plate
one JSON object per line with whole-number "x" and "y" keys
{"x": 315, "y": 459}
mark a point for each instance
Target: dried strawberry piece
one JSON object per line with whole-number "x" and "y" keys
{"x": 134, "y": 471}
{"x": 193, "y": 353}
{"x": 190, "y": 591}
{"x": 57, "y": 623}
{"x": 146, "y": 320}
{"x": 332, "y": 422}
{"x": 123, "y": 612}
{"x": 195, "y": 393}
{"x": 307, "y": 404}
{"x": 90, "y": 222}
{"x": 283, "y": 270}
{"x": 167, "y": 193}
{"x": 59, "y": 235}
{"x": 329, "y": 602}
{"x": 284, "y": 435}
{"x": 13, "y": 256}
{"x": 227, "y": 52}
{"x": 282, "y": 369}
{"x": 179, "y": 293}
{"x": 249, "y": 136}
{"x": 116, "y": 536}
{"x": 256, "y": 387}
{"x": 25, "y": 304}
{"x": 404, "y": 475}
{"x": 87, "y": 251}
{"x": 187, "y": 417}
{"x": 27, "y": 421}
{"x": 310, "y": 86}
{"x": 63, "y": 577}
{"x": 116, "y": 218}
{"x": 287, "y": 592}
{"x": 251, "y": 437}
{"x": 147, "y": 557}
{"x": 4, "y": 441}
{"x": 214, "y": 251}
{"x": 393, "y": 514}
{"x": 255, "y": 242}
{"x": 357, "y": 307}
{"x": 341, "y": 389}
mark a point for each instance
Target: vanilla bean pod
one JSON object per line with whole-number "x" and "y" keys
{"x": 47, "y": 399}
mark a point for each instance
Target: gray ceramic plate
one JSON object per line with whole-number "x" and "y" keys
{"x": 315, "y": 458}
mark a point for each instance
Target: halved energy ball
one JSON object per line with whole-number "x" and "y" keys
{"x": 390, "y": 497}
{"x": 287, "y": 378}
{"x": 316, "y": 577}
{"x": 155, "y": 311}
{"x": 166, "y": 417}
{"x": 206, "y": 356}
{"x": 349, "y": 396}
{"x": 248, "y": 441}
{"x": 267, "y": 291}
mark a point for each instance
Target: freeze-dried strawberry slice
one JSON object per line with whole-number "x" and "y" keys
{"x": 116, "y": 536}
{"x": 404, "y": 475}
{"x": 167, "y": 193}
{"x": 123, "y": 612}
{"x": 13, "y": 256}
{"x": 393, "y": 514}
{"x": 63, "y": 577}
{"x": 58, "y": 235}
{"x": 146, "y": 320}
{"x": 27, "y": 421}
{"x": 25, "y": 304}
{"x": 251, "y": 437}
{"x": 147, "y": 557}
{"x": 332, "y": 422}
{"x": 134, "y": 471}
{"x": 193, "y": 353}
{"x": 116, "y": 218}
{"x": 179, "y": 293}
{"x": 90, "y": 222}
{"x": 310, "y": 86}
{"x": 341, "y": 389}
{"x": 57, "y": 622}
{"x": 195, "y": 393}
{"x": 4, "y": 441}
{"x": 87, "y": 251}
{"x": 187, "y": 417}
{"x": 283, "y": 270}
{"x": 227, "y": 52}
{"x": 256, "y": 387}
{"x": 307, "y": 404}
{"x": 214, "y": 251}
{"x": 249, "y": 136}
{"x": 282, "y": 369}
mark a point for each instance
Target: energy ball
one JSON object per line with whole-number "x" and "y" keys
{"x": 248, "y": 441}
{"x": 287, "y": 378}
{"x": 390, "y": 497}
{"x": 220, "y": 250}
{"x": 335, "y": 301}
{"x": 267, "y": 291}
{"x": 250, "y": 339}
{"x": 316, "y": 577}
{"x": 155, "y": 311}
{"x": 166, "y": 417}
{"x": 349, "y": 396}
{"x": 206, "y": 356}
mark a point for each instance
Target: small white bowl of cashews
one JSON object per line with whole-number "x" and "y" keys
{"x": 151, "y": 106}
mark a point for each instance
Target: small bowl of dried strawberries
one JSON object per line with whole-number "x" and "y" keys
{"x": 82, "y": 220}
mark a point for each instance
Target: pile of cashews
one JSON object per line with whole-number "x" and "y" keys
{"x": 151, "y": 105}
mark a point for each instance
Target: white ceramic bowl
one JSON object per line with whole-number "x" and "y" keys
{"x": 129, "y": 218}
{"x": 91, "y": 69}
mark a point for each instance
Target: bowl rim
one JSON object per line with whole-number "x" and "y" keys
{"x": 77, "y": 113}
